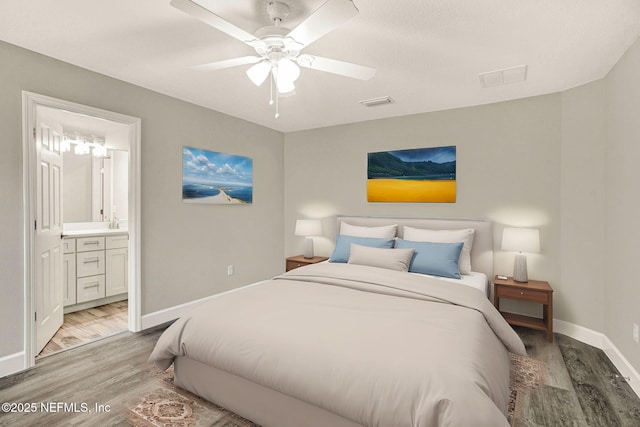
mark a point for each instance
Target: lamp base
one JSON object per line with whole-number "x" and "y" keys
{"x": 308, "y": 247}
{"x": 520, "y": 268}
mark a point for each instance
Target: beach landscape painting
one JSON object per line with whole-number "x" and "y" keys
{"x": 211, "y": 177}
{"x": 415, "y": 175}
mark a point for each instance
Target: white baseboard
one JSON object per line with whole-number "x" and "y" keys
{"x": 12, "y": 363}
{"x": 601, "y": 341}
{"x": 162, "y": 316}
{"x": 623, "y": 365}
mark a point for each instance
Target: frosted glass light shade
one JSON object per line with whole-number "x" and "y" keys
{"x": 288, "y": 70}
{"x": 521, "y": 239}
{"x": 259, "y": 72}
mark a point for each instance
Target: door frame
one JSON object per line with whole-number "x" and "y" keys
{"x": 30, "y": 102}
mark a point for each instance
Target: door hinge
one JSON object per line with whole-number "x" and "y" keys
{"x": 36, "y": 316}
{"x": 34, "y": 132}
{"x": 35, "y": 224}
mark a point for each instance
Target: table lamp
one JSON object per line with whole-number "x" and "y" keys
{"x": 308, "y": 228}
{"x": 520, "y": 240}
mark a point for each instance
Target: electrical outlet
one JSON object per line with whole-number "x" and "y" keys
{"x": 230, "y": 270}
{"x": 635, "y": 332}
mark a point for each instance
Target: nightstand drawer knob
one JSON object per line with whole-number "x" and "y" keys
{"x": 521, "y": 293}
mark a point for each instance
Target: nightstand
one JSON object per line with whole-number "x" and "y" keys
{"x": 535, "y": 291}
{"x": 300, "y": 261}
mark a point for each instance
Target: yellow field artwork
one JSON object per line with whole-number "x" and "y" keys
{"x": 406, "y": 190}
{"x": 418, "y": 175}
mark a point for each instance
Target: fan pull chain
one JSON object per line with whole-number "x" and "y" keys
{"x": 277, "y": 105}
{"x": 271, "y": 91}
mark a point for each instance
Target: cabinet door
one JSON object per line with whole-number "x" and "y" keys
{"x": 69, "y": 278}
{"x": 117, "y": 271}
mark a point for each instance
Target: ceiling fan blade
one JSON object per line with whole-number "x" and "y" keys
{"x": 326, "y": 18}
{"x": 228, "y": 63}
{"x": 198, "y": 11}
{"x": 334, "y": 66}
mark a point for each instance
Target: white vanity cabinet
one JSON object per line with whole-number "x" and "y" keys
{"x": 95, "y": 270}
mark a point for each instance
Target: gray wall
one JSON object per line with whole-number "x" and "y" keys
{"x": 185, "y": 248}
{"x": 581, "y": 290}
{"x": 508, "y": 171}
{"x": 623, "y": 203}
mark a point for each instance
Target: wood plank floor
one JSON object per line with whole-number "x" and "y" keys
{"x": 88, "y": 325}
{"x": 580, "y": 389}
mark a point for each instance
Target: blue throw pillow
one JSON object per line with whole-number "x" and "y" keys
{"x": 343, "y": 246}
{"x": 436, "y": 259}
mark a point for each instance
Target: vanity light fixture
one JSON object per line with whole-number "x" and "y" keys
{"x": 84, "y": 145}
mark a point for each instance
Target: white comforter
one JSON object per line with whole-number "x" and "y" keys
{"x": 379, "y": 347}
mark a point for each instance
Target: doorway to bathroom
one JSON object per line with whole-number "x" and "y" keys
{"x": 82, "y": 174}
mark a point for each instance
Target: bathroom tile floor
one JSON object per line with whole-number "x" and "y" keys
{"x": 88, "y": 325}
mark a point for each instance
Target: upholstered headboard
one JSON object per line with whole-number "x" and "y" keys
{"x": 481, "y": 252}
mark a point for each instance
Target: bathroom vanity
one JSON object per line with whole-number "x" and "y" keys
{"x": 95, "y": 267}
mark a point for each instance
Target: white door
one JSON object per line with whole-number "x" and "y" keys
{"x": 49, "y": 252}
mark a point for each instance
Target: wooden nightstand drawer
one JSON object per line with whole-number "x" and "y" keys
{"x": 300, "y": 261}
{"x": 523, "y": 294}
{"x": 295, "y": 264}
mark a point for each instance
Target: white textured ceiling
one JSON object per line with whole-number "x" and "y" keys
{"x": 428, "y": 54}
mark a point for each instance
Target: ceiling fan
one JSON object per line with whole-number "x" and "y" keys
{"x": 278, "y": 48}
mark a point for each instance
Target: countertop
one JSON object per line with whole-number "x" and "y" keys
{"x": 96, "y": 232}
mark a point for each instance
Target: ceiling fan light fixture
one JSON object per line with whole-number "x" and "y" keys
{"x": 285, "y": 86}
{"x": 288, "y": 70}
{"x": 259, "y": 73}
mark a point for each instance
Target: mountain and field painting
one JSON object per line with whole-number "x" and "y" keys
{"x": 416, "y": 175}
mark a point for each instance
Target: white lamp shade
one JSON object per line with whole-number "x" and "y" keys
{"x": 521, "y": 239}
{"x": 308, "y": 227}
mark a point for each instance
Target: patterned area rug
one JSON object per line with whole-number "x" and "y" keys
{"x": 169, "y": 406}
{"x": 526, "y": 374}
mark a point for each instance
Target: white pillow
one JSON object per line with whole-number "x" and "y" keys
{"x": 383, "y": 232}
{"x": 392, "y": 259}
{"x": 445, "y": 236}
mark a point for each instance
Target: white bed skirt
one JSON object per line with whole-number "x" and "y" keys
{"x": 259, "y": 404}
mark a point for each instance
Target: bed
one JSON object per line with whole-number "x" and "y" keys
{"x": 347, "y": 344}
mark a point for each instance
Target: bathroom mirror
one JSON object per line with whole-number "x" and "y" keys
{"x": 95, "y": 189}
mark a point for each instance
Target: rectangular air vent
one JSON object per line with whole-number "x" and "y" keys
{"x": 503, "y": 77}
{"x": 374, "y": 102}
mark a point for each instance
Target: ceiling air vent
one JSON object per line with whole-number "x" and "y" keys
{"x": 375, "y": 102}
{"x": 503, "y": 77}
